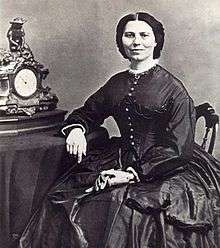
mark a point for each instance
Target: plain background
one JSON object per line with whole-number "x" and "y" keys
{"x": 75, "y": 39}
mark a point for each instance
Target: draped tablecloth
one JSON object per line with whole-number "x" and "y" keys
{"x": 29, "y": 164}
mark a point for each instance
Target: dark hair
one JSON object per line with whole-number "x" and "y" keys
{"x": 156, "y": 26}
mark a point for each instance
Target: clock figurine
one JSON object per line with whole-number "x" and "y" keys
{"x": 21, "y": 76}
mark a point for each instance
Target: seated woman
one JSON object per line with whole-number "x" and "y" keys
{"x": 154, "y": 188}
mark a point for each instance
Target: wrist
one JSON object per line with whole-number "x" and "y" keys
{"x": 76, "y": 130}
{"x": 67, "y": 129}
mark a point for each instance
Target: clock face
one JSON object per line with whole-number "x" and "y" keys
{"x": 25, "y": 83}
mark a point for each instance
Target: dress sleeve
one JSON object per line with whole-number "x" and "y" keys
{"x": 177, "y": 143}
{"x": 92, "y": 114}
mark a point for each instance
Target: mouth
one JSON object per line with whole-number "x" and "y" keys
{"x": 137, "y": 50}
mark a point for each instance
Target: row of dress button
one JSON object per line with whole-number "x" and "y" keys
{"x": 132, "y": 89}
{"x": 131, "y": 129}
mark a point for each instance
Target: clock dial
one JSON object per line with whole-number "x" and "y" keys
{"x": 25, "y": 83}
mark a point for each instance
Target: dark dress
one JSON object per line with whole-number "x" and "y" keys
{"x": 175, "y": 202}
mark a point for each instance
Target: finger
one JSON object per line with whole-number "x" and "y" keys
{"x": 105, "y": 184}
{"x": 102, "y": 182}
{"x": 102, "y": 185}
{"x": 102, "y": 178}
{"x": 67, "y": 147}
{"x": 96, "y": 185}
{"x": 99, "y": 181}
{"x": 71, "y": 149}
{"x": 84, "y": 149}
{"x": 79, "y": 160}
{"x": 109, "y": 182}
{"x": 75, "y": 147}
{"x": 79, "y": 155}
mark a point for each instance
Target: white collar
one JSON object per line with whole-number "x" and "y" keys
{"x": 150, "y": 65}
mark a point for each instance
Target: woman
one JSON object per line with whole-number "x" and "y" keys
{"x": 154, "y": 188}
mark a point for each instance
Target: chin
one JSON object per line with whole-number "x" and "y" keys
{"x": 138, "y": 58}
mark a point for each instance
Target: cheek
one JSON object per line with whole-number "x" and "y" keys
{"x": 126, "y": 42}
{"x": 149, "y": 43}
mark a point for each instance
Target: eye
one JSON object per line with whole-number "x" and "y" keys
{"x": 144, "y": 35}
{"x": 129, "y": 35}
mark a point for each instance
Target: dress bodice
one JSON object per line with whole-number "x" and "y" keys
{"x": 141, "y": 115}
{"x": 143, "y": 104}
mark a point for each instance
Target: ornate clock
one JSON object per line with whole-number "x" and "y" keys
{"x": 21, "y": 76}
{"x": 26, "y": 105}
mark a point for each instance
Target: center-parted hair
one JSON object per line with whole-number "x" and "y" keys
{"x": 156, "y": 26}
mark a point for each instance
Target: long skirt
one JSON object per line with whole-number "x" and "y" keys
{"x": 179, "y": 211}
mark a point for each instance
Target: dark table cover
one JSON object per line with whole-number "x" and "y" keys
{"x": 29, "y": 165}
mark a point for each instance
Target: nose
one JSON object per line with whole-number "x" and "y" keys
{"x": 137, "y": 40}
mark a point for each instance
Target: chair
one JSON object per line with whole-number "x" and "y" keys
{"x": 206, "y": 111}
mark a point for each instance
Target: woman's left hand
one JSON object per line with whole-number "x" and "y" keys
{"x": 117, "y": 176}
{"x": 112, "y": 177}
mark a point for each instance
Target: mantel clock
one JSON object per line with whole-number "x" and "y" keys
{"x": 21, "y": 76}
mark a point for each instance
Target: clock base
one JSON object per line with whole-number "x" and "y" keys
{"x": 39, "y": 122}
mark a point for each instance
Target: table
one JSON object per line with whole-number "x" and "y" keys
{"x": 32, "y": 156}
{"x": 29, "y": 165}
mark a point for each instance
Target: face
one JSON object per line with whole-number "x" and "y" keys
{"x": 138, "y": 40}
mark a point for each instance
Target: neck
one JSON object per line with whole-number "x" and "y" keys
{"x": 143, "y": 65}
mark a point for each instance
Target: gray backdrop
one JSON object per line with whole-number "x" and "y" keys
{"x": 76, "y": 40}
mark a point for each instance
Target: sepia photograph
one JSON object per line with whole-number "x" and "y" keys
{"x": 109, "y": 115}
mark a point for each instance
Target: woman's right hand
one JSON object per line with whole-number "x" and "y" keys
{"x": 76, "y": 143}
